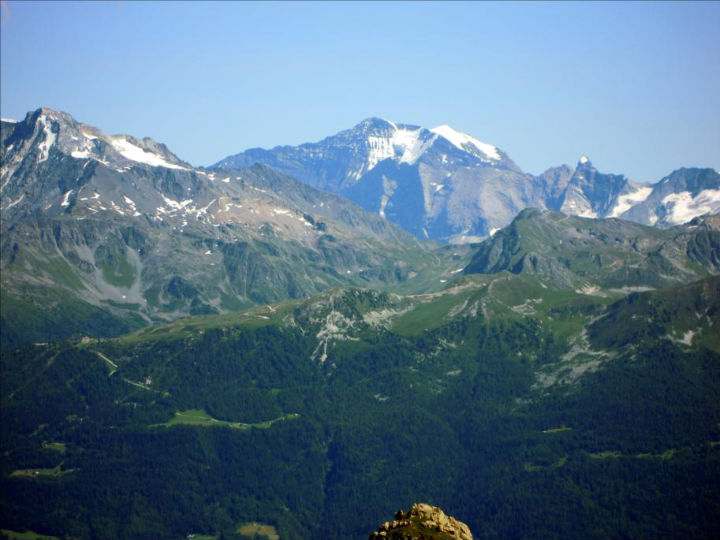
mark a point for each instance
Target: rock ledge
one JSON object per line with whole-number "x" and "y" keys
{"x": 422, "y": 522}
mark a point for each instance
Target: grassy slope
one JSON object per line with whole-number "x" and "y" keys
{"x": 457, "y": 401}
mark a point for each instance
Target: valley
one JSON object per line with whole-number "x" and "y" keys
{"x": 229, "y": 352}
{"x": 503, "y": 402}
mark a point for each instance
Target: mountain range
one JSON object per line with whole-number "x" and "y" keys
{"x": 231, "y": 352}
{"x": 119, "y": 225}
{"x": 128, "y": 234}
{"x": 446, "y": 185}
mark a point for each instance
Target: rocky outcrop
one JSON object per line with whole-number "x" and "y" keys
{"x": 422, "y": 522}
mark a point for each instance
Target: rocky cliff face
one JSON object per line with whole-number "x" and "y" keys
{"x": 422, "y": 522}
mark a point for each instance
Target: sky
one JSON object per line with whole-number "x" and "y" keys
{"x": 634, "y": 86}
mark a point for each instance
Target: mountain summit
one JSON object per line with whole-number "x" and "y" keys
{"x": 446, "y": 185}
{"x": 436, "y": 183}
{"x": 360, "y": 149}
{"x": 114, "y": 227}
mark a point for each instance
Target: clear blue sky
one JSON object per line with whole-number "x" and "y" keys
{"x": 635, "y": 86}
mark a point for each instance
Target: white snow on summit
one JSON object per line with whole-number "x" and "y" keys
{"x": 407, "y": 145}
{"x": 462, "y": 141}
{"x": 135, "y": 153}
{"x": 411, "y": 144}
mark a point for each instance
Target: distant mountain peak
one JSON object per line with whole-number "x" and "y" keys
{"x": 58, "y": 130}
{"x": 444, "y": 184}
{"x": 465, "y": 142}
{"x": 408, "y": 142}
{"x": 376, "y": 123}
{"x": 400, "y": 142}
{"x": 132, "y": 225}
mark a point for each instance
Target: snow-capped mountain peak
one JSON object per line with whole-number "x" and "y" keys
{"x": 56, "y": 131}
{"x": 404, "y": 143}
{"x": 443, "y": 184}
{"x": 465, "y": 142}
{"x": 401, "y": 143}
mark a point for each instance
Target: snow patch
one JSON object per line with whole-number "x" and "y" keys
{"x": 135, "y": 153}
{"x": 175, "y": 204}
{"x": 117, "y": 208}
{"x": 626, "y": 202}
{"x": 410, "y": 145}
{"x": 9, "y": 120}
{"x": 66, "y": 199}
{"x": 465, "y": 142}
{"x": 405, "y": 145}
{"x": 47, "y": 142}
{"x": 683, "y": 207}
{"x": 16, "y": 201}
{"x": 587, "y": 213}
{"x": 204, "y": 209}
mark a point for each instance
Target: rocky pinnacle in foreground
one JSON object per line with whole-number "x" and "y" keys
{"x": 422, "y": 522}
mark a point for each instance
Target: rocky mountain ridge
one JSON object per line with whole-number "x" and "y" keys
{"x": 557, "y": 380}
{"x": 588, "y": 254}
{"x": 442, "y": 184}
{"x": 120, "y": 226}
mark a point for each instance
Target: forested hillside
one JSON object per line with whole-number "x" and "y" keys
{"x": 520, "y": 424}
